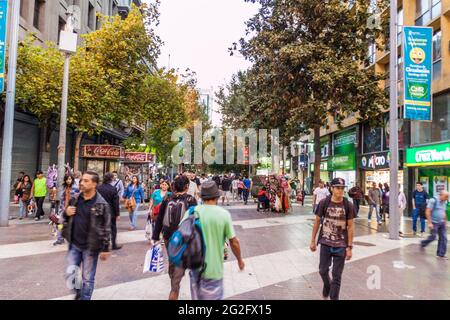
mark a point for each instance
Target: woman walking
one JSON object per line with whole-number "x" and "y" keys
{"x": 70, "y": 190}
{"x": 24, "y": 192}
{"x": 155, "y": 202}
{"x": 134, "y": 197}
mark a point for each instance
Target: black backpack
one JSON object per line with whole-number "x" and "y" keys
{"x": 175, "y": 210}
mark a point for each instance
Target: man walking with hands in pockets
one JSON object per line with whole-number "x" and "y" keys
{"x": 335, "y": 238}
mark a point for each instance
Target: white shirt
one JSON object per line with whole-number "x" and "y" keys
{"x": 234, "y": 184}
{"x": 202, "y": 180}
{"x": 192, "y": 188}
{"x": 321, "y": 193}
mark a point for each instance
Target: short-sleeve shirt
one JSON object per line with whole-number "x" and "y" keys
{"x": 217, "y": 228}
{"x": 334, "y": 228}
{"x": 321, "y": 193}
{"x": 40, "y": 187}
{"x": 247, "y": 183}
{"x": 420, "y": 197}
{"x": 438, "y": 210}
{"x": 157, "y": 197}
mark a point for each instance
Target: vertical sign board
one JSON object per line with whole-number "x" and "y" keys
{"x": 3, "y": 18}
{"x": 418, "y": 73}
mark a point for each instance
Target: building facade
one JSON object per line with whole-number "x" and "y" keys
{"x": 424, "y": 146}
{"x": 34, "y": 146}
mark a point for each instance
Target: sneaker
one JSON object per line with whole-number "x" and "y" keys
{"x": 380, "y": 223}
{"x": 57, "y": 242}
{"x": 117, "y": 247}
{"x": 442, "y": 258}
{"x": 422, "y": 234}
{"x": 37, "y": 219}
{"x": 369, "y": 221}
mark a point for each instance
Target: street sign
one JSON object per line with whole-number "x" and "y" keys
{"x": 418, "y": 72}
{"x": 3, "y": 18}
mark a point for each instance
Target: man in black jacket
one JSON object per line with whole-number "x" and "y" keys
{"x": 87, "y": 229}
{"x": 180, "y": 186}
{"x": 109, "y": 193}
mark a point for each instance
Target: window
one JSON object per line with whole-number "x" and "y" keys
{"x": 91, "y": 17}
{"x": 371, "y": 54}
{"x": 61, "y": 27}
{"x": 400, "y": 22}
{"x": 438, "y": 129}
{"x": 38, "y": 21}
{"x": 24, "y": 8}
{"x": 427, "y": 10}
{"x": 437, "y": 54}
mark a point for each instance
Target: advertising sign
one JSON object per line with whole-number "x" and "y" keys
{"x": 342, "y": 162}
{"x": 418, "y": 72}
{"x": 3, "y": 18}
{"x": 430, "y": 155}
{"x": 344, "y": 142}
{"x": 375, "y": 161}
{"x": 102, "y": 151}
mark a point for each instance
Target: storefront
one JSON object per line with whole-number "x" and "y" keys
{"x": 102, "y": 158}
{"x": 324, "y": 174}
{"x": 138, "y": 164}
{"x": 431, "y": 165}
{"x": 375, "y": 168}
{"x": 343, "y": 162}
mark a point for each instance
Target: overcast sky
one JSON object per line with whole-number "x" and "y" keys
{"x": 198, "y": 33}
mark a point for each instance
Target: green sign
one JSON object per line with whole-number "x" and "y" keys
{"x": 342, "y": 162}
{"x": 3, "y": 18}
{"x": 344, "y": 142}
{"x": 430, "y": 155}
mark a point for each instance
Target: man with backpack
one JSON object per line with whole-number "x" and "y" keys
{"x": 118, "y": 184}
{"x": 216, "y": 228}
{"x": 437, "y": 222}
{"x": 171, "y": 212}
{"x": 335, "y": 237}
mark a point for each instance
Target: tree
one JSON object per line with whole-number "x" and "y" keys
{"x": 307, "y": 67}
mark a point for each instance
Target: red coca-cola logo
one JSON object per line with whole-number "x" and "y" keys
{"x": 103, "y": 151}
{"x": 136, "y": 156}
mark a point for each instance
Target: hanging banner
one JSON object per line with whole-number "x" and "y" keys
{"x": 3, "y": 18}
{"x": 418, "y": 72}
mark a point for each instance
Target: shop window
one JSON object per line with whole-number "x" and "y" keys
{"x": 437, "y": 54}
{"x": 438, "y": 129}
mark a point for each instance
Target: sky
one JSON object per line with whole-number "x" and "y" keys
{"x": 197, "y": 35}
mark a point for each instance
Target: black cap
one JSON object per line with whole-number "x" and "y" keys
{"x": 338, "y": 182}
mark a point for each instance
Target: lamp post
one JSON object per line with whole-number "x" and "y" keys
{"x": 8, "y": 128}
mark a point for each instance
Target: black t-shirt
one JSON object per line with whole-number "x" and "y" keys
{"x": 334, "y": 228}
{"x": 82, "y": 222}
{"x": 226, "y": 184}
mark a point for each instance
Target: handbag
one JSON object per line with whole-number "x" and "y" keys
{"x": 130, "y": 204}
{"x": 155, "y": 210}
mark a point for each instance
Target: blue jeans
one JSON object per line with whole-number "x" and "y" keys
{"x": 377, "y": 211}
{"x": 439, "y": 229}
{"x": 245, "y": 194}
{"x": 23, "y": 208}
{"x": 205, "y": 289}
{"x": 87, "y": 261}
{"x": 415, "y": 216}
{"x": 133, "y": 216}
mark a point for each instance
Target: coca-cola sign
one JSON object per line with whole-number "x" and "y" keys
{"x": 141, "y": 157}
{"x": 102, "y": 151}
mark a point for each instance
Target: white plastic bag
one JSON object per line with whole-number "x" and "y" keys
{"x": 148, "y": 230}
{"x": 154, "y": 260}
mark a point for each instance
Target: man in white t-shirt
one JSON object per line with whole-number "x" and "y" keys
{"x": 319, "y": 194}
{"x": 193, "y": 189}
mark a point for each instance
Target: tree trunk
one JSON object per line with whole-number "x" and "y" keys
{"x": 317, "y": 155}
{"x": 76, "y": 160}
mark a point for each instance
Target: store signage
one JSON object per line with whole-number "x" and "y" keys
{"x": 375, "y": 161}
{"x": 418, "y": 69}
{"x": 323, "y": 166}
{"x": 103, "y": 151}
{"x": 429, "y": 155}
{"x": 3, "y": 18}
{"x": 141, "y": 157}
{"x": 342, "y": 162}
{"x": 344, "y": 142}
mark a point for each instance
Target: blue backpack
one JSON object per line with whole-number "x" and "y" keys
{"x": 186, "y": 247}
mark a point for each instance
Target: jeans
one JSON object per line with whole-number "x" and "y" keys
{"x": 357, "y": 203}
{"x": 439, "y": 229}
{"x": 337, "y": 256}
{"x": 87, "y": 261}
{"x": 415, "y": 216}
{"x": 204, "y": 289}
{"x": 377, "y": 211}
{"x": 245, "y": 194}
{"x": 23, "y": 208}
{"x": 133, "y": 216}
{"x": 39, "y": 203}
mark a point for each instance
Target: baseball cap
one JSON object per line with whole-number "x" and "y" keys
{"x": 338, "y": 182}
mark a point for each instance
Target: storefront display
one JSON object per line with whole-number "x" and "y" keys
{"x": 343, "y": 161}
{"x": 324, "y": 175}
{"x": 102, "y": 158}
{"x": 138, "y": 164}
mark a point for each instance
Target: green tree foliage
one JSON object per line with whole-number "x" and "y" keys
{"x": 308, "y": 60}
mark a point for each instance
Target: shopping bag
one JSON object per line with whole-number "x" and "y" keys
{"x": 154, "y": 260}
{"x": 148, "y": 229}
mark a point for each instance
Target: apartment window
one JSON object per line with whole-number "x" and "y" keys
{"x": 91, "y": 17}
{"x": 427, "y": 10}
{"x": 437, "y": 54}
{"x": 38, "y": 18}
{"x": 371, "y": 54}
{"x": 400, "y": 22}
{"x": 24, "y": 8}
